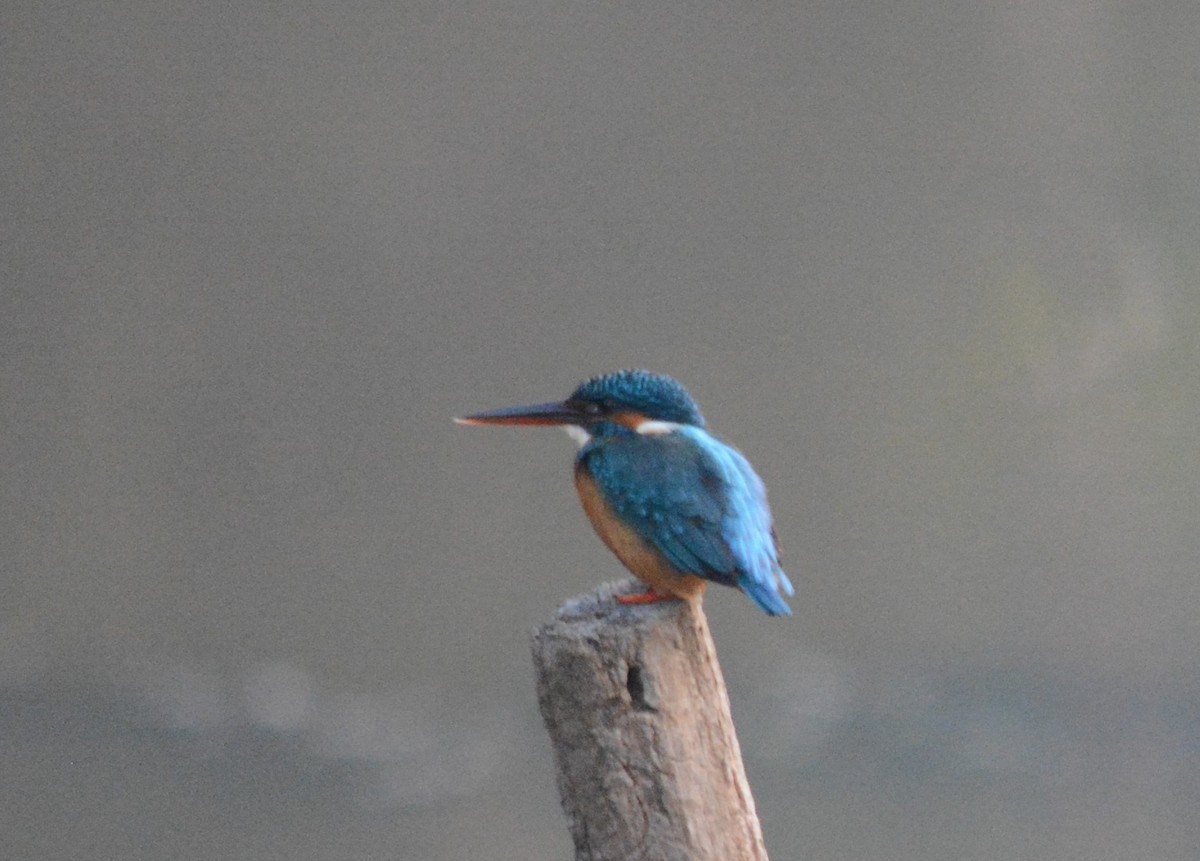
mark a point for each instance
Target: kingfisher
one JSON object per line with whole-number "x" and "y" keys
{"x": 678, "y": 507}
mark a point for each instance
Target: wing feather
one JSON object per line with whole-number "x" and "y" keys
{"x": 699, "y": 503}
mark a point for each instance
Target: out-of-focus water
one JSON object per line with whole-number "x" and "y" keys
{"x": 931, "y": 266}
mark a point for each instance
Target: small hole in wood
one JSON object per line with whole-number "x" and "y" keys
{"x": 636, "y": 686}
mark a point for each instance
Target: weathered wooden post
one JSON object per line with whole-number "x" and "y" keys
{"x": 648, "y": 762}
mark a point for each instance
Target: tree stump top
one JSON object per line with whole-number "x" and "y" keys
{"x": 648, "y": 762}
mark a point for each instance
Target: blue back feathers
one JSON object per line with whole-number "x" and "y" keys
{"x": 695, "y": 499}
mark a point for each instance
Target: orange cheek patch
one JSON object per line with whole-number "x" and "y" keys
{"x": 630, "y": 420}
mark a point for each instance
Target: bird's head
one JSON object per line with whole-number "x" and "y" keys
{"x": 632, "y": 400}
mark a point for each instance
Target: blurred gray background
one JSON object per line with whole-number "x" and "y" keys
{"x": 932, "y": 266}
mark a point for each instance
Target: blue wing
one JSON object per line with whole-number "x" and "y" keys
{"x": 699, "y": 502}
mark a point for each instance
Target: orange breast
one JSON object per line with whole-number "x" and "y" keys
{"x": 642, "y": 560}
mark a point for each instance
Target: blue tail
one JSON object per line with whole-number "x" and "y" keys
{"x": 765, "y": 596}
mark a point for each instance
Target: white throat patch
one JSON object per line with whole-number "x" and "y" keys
{"x": 578, "y": 434}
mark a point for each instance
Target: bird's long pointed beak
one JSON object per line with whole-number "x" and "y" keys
{"x": 556, "y": 413}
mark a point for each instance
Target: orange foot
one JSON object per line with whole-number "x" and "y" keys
{"x": 647, "y": 597}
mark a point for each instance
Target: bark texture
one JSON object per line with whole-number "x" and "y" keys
{"x": 648, "y": 763}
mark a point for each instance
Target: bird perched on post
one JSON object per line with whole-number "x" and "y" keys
{"x": 676, "y": 505}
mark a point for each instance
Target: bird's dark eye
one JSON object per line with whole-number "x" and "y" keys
{"x": 588, "y": 408}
